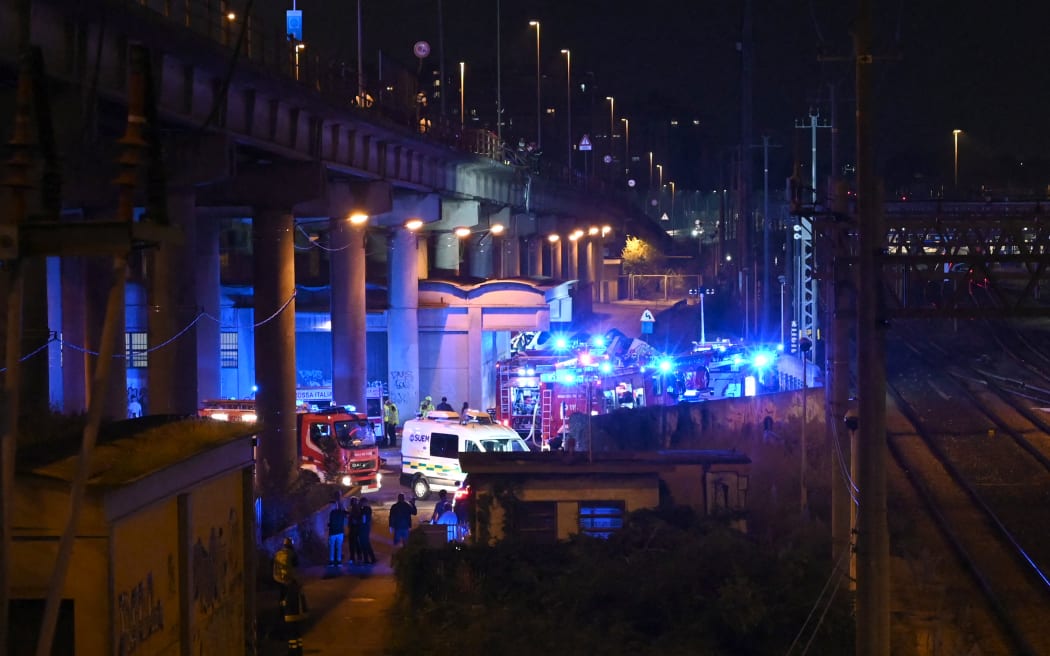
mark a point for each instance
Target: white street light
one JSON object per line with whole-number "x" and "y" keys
{"x": 568, "y": 104}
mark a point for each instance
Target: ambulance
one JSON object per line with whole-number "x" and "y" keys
{"x": 430, "y": 448}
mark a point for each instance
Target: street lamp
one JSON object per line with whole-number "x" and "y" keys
{"x": 568, "y": 104}
{"x": 671, "y": 183}
{"x": 612, "y": 124}
{"x": 955, "y": 135}
{"x": 539, "y": 138}
{"x": 462, "y": 97}
{"x": 360, "y": 61}
{"x": 660, "y": 189}
{"x": 650, "y": 171}
{"x": 626, "y": 147}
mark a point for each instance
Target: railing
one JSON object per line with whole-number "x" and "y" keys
{"x": 395, "y": 97}
{"x": 648, "y": 287}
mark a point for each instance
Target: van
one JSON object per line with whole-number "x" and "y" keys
{"x": 430, "y": 448}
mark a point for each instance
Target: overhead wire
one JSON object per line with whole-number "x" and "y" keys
{"x": 200, "y": 315}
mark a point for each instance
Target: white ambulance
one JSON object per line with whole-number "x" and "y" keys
{"x": 430, "y": 448}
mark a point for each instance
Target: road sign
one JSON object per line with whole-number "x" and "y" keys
{"x": 664, "y": 217}
{"x": 585, "y": 143}
{"x": 648, "y": 316}
{"x": 421, "y": 49}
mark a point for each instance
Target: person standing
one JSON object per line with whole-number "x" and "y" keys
{"x": 401, "y": 518}
{"x": 463, "y": 410}
{"x": 354, "y": 527}
{"x": 390, "y": 422}
{"x": 285, "y": 567}
{"x": 445, "y": 405}
{"x": 441, "y": 507}
{"x": 364, "y": 533}
{"x": 336, "y": 533}
{"x": 425, "y": 406}
{"x": 292, "y": 601}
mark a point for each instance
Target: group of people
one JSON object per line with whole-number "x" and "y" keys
{"x": 427, "y": 404}
{"x": 352, "y": 527}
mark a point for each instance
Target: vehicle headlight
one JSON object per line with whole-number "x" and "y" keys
{"x": 379, "y": 478}
{"x": 346, "y": 480}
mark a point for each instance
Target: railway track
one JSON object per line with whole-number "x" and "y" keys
{"x": 980, "y": 465}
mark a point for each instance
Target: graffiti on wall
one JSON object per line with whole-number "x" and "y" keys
{"x": 212, "y": 566}
{"x": 402, "y": 383}
{"x": 140, "y": 615}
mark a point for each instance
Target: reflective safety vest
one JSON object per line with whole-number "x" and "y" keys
{"x": 390, "y": 413}
{"x": 284, "y": 566}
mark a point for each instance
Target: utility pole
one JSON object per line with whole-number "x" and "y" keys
{"x": 743, "y": 165}
{"x": 814, "y": 124}
{"x": 873, "y": 563}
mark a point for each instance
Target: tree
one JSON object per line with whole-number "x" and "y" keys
{"x": 639, "y": 256}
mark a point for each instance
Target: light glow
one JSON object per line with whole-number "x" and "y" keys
{"x": 357, "y": 218}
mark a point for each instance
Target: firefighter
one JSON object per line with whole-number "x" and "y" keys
{"x": 426, "y": 406}
{"x": 390, "y": 422}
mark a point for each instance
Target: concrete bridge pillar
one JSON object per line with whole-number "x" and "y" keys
{"x": 536, "y": 256}
{"x": 349, "y": 312}
{"x": 275, "y": 372}
{"x": 572, "y": 258}
{"x": 510, "y": 255}
{"x": 403, "y": 322}
{"x": 556, "y": 258}
{"x": 171, "y": 292}
{"x": 208, "y": 300}
{"x": 407, "y": 259}
{"x": 448, "y": 248}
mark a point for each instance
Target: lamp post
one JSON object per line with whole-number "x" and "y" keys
{"x": 626, "y": 148}
{"x": 360, "y": 61}
{"x": 539, "y": 137}
{"x": 660, "y": 189}
{"x": 955, "y": 135}
{"x": 650, "y": 171}
{"x": 671, "y": 184}
{"x": 462, "y": 98}
{"x": 612, "y": 124}
{"x": 568, "y": 105}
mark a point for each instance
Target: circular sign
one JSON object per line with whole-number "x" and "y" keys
{"x": 421, "y": 49}
{"x": 607, "y": 159}
{"x": 630, "y": 183}
{"x": 653, "y": 202}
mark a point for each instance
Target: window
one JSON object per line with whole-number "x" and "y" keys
{"x": 443, "y": 445}
{"x": 599, "y": 519}
{"x": 228, "y": 350}
{"x": 535, "y": 522}
{"x": 136, "y": 350}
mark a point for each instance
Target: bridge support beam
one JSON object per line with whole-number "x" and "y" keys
{"x": 349, "y": 312}
{"x": 274, "y": 273}
{"x": 171, "y": 294}
{"x": 407, "y": 260}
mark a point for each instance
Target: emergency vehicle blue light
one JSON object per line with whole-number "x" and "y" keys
{"x": 605, "y": 368}
{"x": 255, "y": 388}
{"x": 737, "y": 360}
{"x": 568, "y": 378}
{"x": 599, "y": 341}
{"x": 762, "y": 360}
{"x": 561, "y": 343}
{"x": 666, "y": 365}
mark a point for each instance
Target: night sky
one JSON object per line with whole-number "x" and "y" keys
{"x": 980, "y": 67}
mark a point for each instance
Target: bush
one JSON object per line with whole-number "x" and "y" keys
{"x": 668, "y": 583}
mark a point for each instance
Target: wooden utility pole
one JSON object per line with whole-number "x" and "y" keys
{"x": 873, "y": 563}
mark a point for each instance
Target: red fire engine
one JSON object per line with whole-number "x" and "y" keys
{"x": 538, "y": 394}
{"x": 334, "y": 445}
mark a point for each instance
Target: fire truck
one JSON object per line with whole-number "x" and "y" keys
{"x": 537, "y": 394}
{"x": 335, "y": 445}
